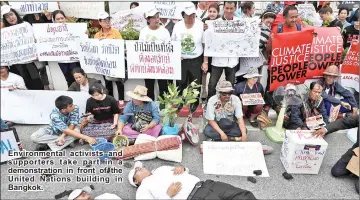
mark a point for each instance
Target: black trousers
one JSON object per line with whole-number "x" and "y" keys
{"x": 150, "y": 85}
{"x": 30, "y": 73}
{"x": 218, "y": 190}
{"x": 190, "y": 71}
{"x": 215, "y": 76}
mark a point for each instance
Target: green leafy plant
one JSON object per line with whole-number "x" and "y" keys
{"x": 173, "y": 100}
{"x": 129, "y": 32}
{"x": 326, "y": 23}
{"x": 307, "y": 22}
{"x": 91, "y": 30}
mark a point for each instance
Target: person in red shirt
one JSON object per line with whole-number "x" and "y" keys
{"x": 291, "y": 21}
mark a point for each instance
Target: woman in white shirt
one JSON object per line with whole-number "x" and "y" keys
{"x": 154, "y": 32}
{"x": 10, "y": 80}
{"x": 190, "y": 32}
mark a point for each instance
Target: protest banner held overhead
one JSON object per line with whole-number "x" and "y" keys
{"x": 290, "y": 58}
{"x": 17, "y": 44}
{"x": 121, "y": 19}
{"x": 87, "y": 10}
{"x": 169, "y": 9}
{"x": 57, "y": 41}
{"x": 350, "y": 68}
{"x": 24, "y": 8}
{"x": 238, "y": 38}
{"x": 104, "y": 57}
{"x": 154, "y": 60}
{"x": 326, "y": 50}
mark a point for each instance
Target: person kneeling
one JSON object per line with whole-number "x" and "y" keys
{"x": 141, "y": 115}
{"x": 62, "y": 130}
{"x": 222, "y": 109}
{"x": 168, "y": 182}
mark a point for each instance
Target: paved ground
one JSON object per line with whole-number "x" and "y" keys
{"x": 321, "y": 186}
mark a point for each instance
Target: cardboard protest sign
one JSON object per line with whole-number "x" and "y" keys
{"x": 24, "y": 8}
{"x": 350, "y": 68}
{"x": 17, "y": 44}
{"x": 238, "y": 38}
{"x": 289, "y": 58}
{"x": 104, "y": 57}
{"x": 82, "y": 9}
{"x": 353, "y": 164}
{"x": 334, "y": 112}
{"x": 120, "y": 19}
{"x": 326, "y": 50}
{"x": 252, "y": 99}
{"x": 57, "y": 41}
{"x": 251, "y": 154}
{"x": 154, "y": 60}
{"x": 8, "y": 143}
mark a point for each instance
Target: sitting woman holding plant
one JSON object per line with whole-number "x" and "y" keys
{"x": 104, "y": 114}
{"x": 141, "y": 115}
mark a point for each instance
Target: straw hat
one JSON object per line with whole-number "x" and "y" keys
{"x": 225, "y": 86}
{"x": 139, "y": 93}
{"x": 332, "y": 70}
{"x": 251, "y": 73}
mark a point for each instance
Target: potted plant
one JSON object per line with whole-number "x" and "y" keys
{"x": 173, "y": 101}
{"x": 129, "y": 32}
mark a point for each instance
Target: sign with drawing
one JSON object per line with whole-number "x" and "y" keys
{"x": 250, "y": 154}
{"x": 8, "y": 143}
{"x": 238, "y": 38}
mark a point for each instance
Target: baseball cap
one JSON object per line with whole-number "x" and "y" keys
{"x": 189, "y": 9}
{"x": 5, "y": 9}
{"x": 107, "y": 196}
{"x": 75, "y": 193}
{"x": 132, "y": 172}
{"x": 151, "y": 12}
{"x": 104, "y": 15}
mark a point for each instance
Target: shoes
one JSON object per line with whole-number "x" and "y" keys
{"x": 339, "y": 169}
{"x": 41, "y": 147}
{"x": 267, "y": 149}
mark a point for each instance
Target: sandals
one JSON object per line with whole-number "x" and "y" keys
{"x": 235, "y": 139}
{"x": 254, "y": 123}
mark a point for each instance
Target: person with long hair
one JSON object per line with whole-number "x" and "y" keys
{"x": 27, "y": 70}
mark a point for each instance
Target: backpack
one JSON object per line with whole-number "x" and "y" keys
{"x": 280, "y": 28}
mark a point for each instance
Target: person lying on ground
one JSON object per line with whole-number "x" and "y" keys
{"x": 84, "y": 194}
{"x": 168, "y": 182}
{"x": 62, "y": 130}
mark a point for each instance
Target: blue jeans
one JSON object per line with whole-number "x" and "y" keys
{"x": 342, "y": 109}
{"x": 210, "y": 132}
{"x": 3, "y": 125}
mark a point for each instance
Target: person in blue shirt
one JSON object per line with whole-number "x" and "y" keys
{"x": 141, "y": 115}
{"x": 62, "y": 130}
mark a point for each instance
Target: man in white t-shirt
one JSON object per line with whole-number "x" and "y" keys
{"x": 219, "y": 64}
{"x": 201, "y": 11}
{"x": 10, "y": 80}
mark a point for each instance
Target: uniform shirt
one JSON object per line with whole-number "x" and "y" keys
{"x": 60, "y": 122}
{"x": 112, "y": 34}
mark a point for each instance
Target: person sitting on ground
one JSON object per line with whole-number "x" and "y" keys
{"x": 141, "y": 115}
{"x": 82, "y": 82}
{"x": 225, "y": 116}
{"x": 313, "y": 105}
{"x": 62, "y": 130}
{"x": 168, "y": 182}
{"x": 251, "y": 85}
{"x": 104, "y": 113}
{"x": 339, "y": 169}
{"x": 332, "y": 88}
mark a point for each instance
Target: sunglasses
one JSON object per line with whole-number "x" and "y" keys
{"x": 225, "y": 94}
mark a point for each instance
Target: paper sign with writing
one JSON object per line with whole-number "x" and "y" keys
{"x": 252, "y": 99}
{"x": 104, "y": 57}
{"x": 8, "y": 143}
{"x": 334, "y": 111}
{"x": 116, "y": 6}
{"x": 350, "y": 67}
{"x": 57, "y": 41}
{"x": 251, "y": 154}
{"x": 238, "y": 38}
{"x": 24, "y": 8}
{"x": 38, "y": 107}
{"x": 154, "y": 60}
{"x": 17, "y": 44}
{"x": 315, "y": 122}
{"x": 87, "y": 10}
{"x": 169, "y": 9}
{"x": 121, "y": 19}
{"x": 307, "y": 11}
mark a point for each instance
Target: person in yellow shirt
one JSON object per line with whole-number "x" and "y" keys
{"x": 107, "y": 32}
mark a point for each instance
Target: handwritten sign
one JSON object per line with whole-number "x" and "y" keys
{"x": 302, "y": 153}
{"x": 38, "y": 107}
{"x": 252, "y": 99}
{"x": 120, "y": 19}
{"x": 8, "y": 143}
{"x": 169, "y": 9}
{"x": 350, "y": 67}
{"x": 57, "y": 41}
{"x": 334, "y": 112}
{"x": 238, "y": 38}
{"x": 17, "y": 44}
{"x": 315, "y": 122}
{"x": 307, "y": 11}
{"x": 250, "y": 153}
{"x": 154, "y": 60}
{"x": 104, "y": 57}
{"x": 24, "y": 8}
{"x": 87, "y": 10}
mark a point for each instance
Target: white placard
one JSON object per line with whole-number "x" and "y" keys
{"x": 307, "y": 11}
{"x": 57, "y": 41}
{"x": 334, "y": 112}
{"x": 116, "y": 6}
{"x": 241, "y": 160}
{"x": 17, "y": 44}
{"x": 154, "y": 60}
{"x": 120, "y": 19}
{"x": 169, "y": 9}
{"x": 8, "y": 143}
{"x": 24, "y": 8}
{"x": 252, "y": 99}
{"x": 104, "y": 57}
{"x": 238, "y": 38}
{"x": 315, "y": 122}
{"x": 35, "y": 106}
{"x": 87, "y": 10}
